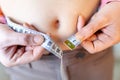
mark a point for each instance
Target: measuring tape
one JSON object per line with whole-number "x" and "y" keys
{"x": 72, "y": 42}
{"x": 48, "y": 43}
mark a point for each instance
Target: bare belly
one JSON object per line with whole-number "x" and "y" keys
{"x": 58, "y": 17}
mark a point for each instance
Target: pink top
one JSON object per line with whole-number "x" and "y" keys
{"x": 103, "y": 2}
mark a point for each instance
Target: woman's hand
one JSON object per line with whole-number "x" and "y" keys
{"x": 103, "y": 28}
{"x": 18, "y": 48}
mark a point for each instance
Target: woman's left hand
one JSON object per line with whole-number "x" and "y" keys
{"x": 104, "y": 28}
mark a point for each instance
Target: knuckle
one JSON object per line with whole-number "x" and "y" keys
{"x": 26, "y": 39}
{"x": 89, "y": 31}
{"x": 104, "y": 18}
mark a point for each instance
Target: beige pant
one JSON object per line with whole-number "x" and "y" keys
{"x": 76, "y": 65}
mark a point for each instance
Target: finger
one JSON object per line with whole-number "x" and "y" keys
{"x": 99, "y": 22}
{"x": 29, "y": 26}
{"x": 29, "y": 48}
{"x": 92, "y": 38}
{"x": 46, "y": 52}
{"x": 24, "y": 39}
{"x": 38, "y": 52}
{"x": 10, "y": 51}
{"x": 80, "y": 23}
{"x": 30, "y": 56}
{"x": 102, "y": 42}
{"x": 88, "y": 45}
{"x": 8, "y": 62}
{"x": 18, "y": 54}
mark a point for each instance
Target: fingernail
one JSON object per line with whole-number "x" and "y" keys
{"x": 38, "y": 39}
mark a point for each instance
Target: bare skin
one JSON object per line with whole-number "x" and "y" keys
{"x": 104, "y": 28}
{"x": 57, "y": 17}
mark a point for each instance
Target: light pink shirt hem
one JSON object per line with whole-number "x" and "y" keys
{"x": 103, "y": 2}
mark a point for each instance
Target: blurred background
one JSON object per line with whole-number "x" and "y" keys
{"x": 116, "y": 76}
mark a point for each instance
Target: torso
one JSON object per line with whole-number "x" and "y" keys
{"x": 58, "y": 17}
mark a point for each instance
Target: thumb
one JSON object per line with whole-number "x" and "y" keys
{"x": 80, "y": 23}
{"x": 98, "y": 22}
{"x": 25, "y": 39}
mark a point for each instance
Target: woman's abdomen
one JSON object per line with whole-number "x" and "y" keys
{"x": 57, "y": 17}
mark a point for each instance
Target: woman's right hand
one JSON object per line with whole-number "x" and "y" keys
{"x": 19, "y": 48}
